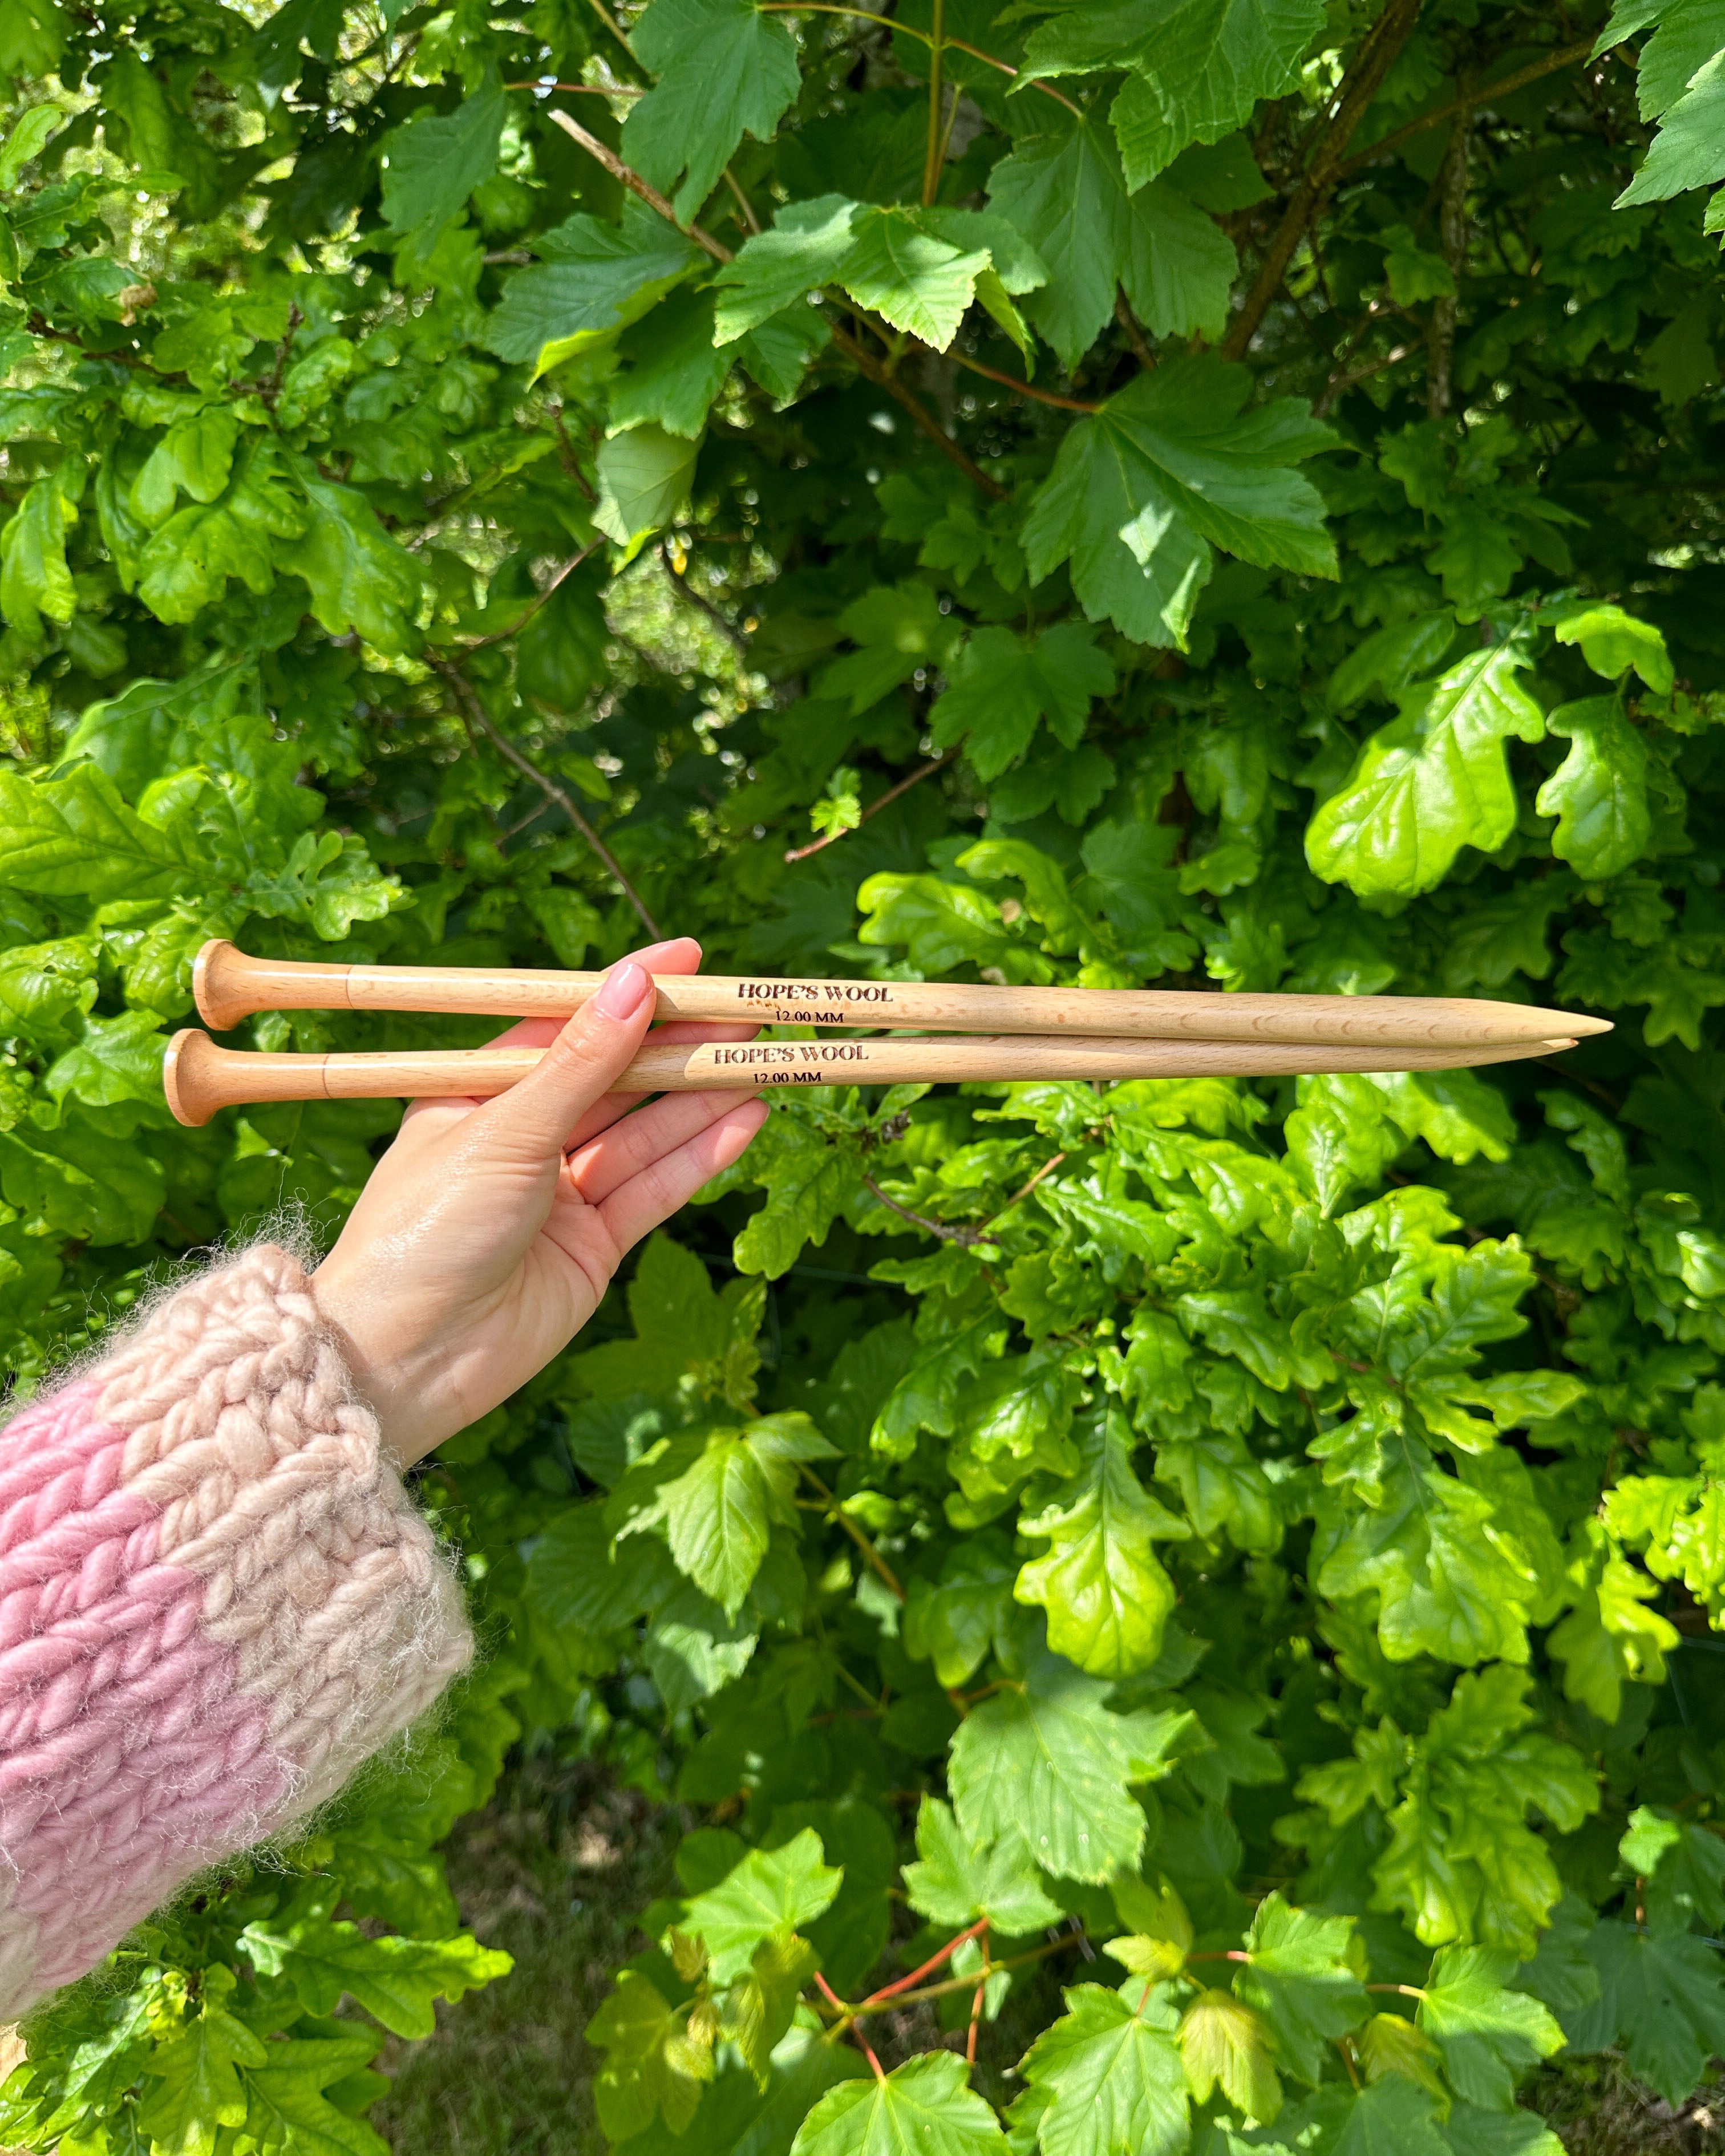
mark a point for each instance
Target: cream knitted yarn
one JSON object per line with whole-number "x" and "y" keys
{"x": 215, "y": 1600}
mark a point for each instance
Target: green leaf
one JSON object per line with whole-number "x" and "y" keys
{"x": 803, "y": 251}
{"x": 1046, "y": 1759}
{"x": 1433, "y": 780}
{"x": 1112, "y": 2077}
{"x": 999, "y": 688}
{"x": 917, "y": 282}
{"x": 1392, "y": 2117}
{"x": 1489, "y": 2035}
{"x": 1065, "y": 194}
{"x": 195, "y": 2084}
{"x": 676, "y": 372}
{"x": 27, "y": 141}
{"x": 287, "y": 2103}
{"x": 718, "y": 1515}
{"x": 1107, "y": 1597}
{"x": 724, "y": 69}
{"x": 361, "y": 578}
{"x": 1300, "y": 1975}
{"x": 956, "y": 1881}
{"x": 1224, "y": 2045}
{"x": 1599, "y": 794}
{"x": 1661, "y": 1999}
{"x": 194, "y": 457}
{"x": 1139, "y": 492}
{"x": 433, "y": 164}
{"x": 645, "y": 477}
{"x": 34, "y": 579}
{"x": 73, "y": 836}
{"x": 591, "y": 281}
{"x": 1198, "y": 69}
{"x": 759, "y": 2005}
{"x": 1689, "y": 150}
{"x": 650, "y": 2065}
{"x": 807, "y": 1180}
{"x": 925, "y": 2107}
{"x": 769, "y": 1894}
{"x": 1612, "y": 642}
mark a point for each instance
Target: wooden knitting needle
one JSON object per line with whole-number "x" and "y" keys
{"x": 229, "y": 986}
{"x": 200, "y": 1077}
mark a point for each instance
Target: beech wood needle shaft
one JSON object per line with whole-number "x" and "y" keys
{"x": 201, "y": 1077}
{"x": 230, "y": 986}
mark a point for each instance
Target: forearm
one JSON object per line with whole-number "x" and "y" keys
{"x": 215, "y": 1600}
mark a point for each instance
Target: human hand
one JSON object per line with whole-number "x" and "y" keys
{"x": 489, "y": 1232}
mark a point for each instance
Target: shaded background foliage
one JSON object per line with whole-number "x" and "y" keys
{"x": 1203, "y": 494}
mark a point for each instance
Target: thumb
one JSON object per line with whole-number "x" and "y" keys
{"x": 584, "y": 1062}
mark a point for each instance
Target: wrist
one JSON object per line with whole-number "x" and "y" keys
{"x": 380, "y": 1364}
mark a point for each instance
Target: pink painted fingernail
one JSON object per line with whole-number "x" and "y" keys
{"x": 621, "y": 992}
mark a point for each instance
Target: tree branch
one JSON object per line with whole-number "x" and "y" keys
{"x": 1564, "y": 56}
{"x": 515, "y": 628}
{"x": 479, "y": 716}
{"x": 864, "y": 361}
{"x": 874, "y": 809}
{"x": 1372, "y": 63}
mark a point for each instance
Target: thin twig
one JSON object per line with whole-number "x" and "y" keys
{"x": 1372, "y": 63}
{"x": 480, "y": 718}
{"x": 684, "y": 589}
{"x": 515, "y": 628}
{"x": 743, "y": 204}
{"x": 966, "y": 1237}
{"x": 910, "y": 1982}
{"x": 1047, "y": 1167}
{"x": 1024, "y": 389}
{"x": 1134, "y": 329}
{"x": 848, "y": 2020}
{"x": 1338, "y": 384}
{"x": 905, "y": 30}
{"x": 1565, "y": 56}
{"x": 931, "y": 158}
{"x": 874, "y": 809}
{"x": 882, "y": 375}
{"x": 878, "y": 1564}
{"x": 636, "y": 185}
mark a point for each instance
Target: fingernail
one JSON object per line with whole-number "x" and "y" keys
{"x": 622, "y": 990}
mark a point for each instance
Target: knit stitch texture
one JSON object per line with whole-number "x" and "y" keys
{"x": 216, "y": 1599}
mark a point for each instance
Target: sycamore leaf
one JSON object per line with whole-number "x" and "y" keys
{"x": 1198, "y": 67}
{"x": 1300, "y": 1975}
{"x": 1393, "y": 2116}
{"x": 649, "y": 2066}
{"x": 999, "y": 687}
{"x": 1389, "y": 2044}
{"x": 1112, "y": 2078}
{"x": 645, "y": 477}
{"x": 718, "y": 1515}
{"x": 1489, "y": 2035}
{"x": 1689, "y": 150}
{"x": 591, "y": 281}
{"x": 773, "y": 269}
{"x": 676, "y": 371}
{"x": 1432, "y": 781}
{"x": 724, "y": 69}
{"x": 925, "y": 2107}
{"x": 955, "y": 1880}
{"x": 770, "y": 1893}
{"x": 433, "y": 164}
{"x": 1173, "y": 465}
{"x": 1107, "y": 1596}
{"x": 758, "y": 2007}
{"x": 918, "y": 283}
{"x": 1065, "y": 193}
{"x": 1661, "y": 1999}
{"x": 1045, "y": 1758}
{"x": 1599, "y": 794}
{"x": 1224, "y": 2045}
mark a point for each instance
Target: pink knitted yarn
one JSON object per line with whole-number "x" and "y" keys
{"x": 215, "y": 1600}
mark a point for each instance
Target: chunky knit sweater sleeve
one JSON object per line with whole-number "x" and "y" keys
{"x": 215, "y": 1600}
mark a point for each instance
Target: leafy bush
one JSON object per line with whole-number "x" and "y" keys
{"x": 1170, "y": 493}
